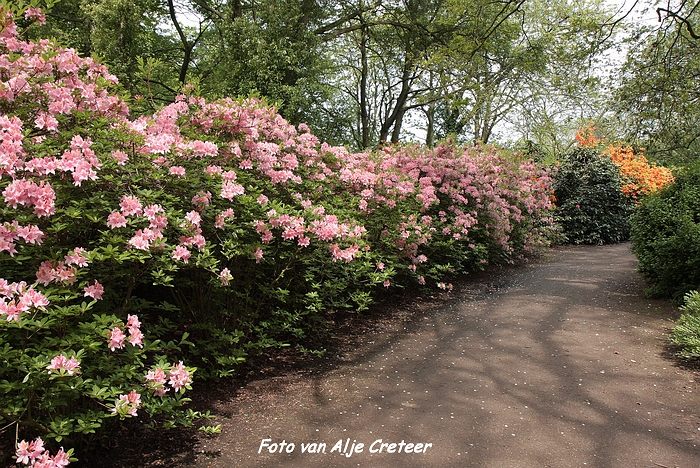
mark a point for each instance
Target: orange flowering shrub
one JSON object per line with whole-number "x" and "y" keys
{"x": 586, "y": 138}
{"x": 639, "y": 175}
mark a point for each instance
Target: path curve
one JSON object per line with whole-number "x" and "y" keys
{"x": 565, "y": 365}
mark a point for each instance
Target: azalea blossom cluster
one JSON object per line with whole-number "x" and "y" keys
{"x": 127, "y": 404}
{"x": 17, "y": 298}
{"x": 641, "y": 176}
{"x": 117, "y": 337}
{"x": 36, "y": 456}
{"x": 178, "y": 377}
{"x": 11, "y": 232}
{"x": 61, "y": 363}
{"x": 468, "y": 195}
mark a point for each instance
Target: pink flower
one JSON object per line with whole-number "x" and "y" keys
{"x": 258, "y": 254}
{"x": 177, "y": 171}
{"x": 201, "y": 200}
{"x": 181, "y": 253}
{"x": 46, "y": 273}
{"x": 120, "y": 156}
{"x": 229, "y": 190}
{"x": 179, "y": 377}
{"x": 229, "y": 175}
{"x": 23, "y": 453}
{"x": 151, "y": 211}
{"x": 35, "y": 14}
{"x": 387, "y": 283}
{"x": 12, "y": 310}
{"x": 83, "y": 171}
{"x": 344, "y": 254}
{"x": 26, "y": 192}
{"x": 31, "y": 234}
{"x": 71, "y": 366}
{"x": 29, "y": 452}
{"x": 225, "y": 276}
{"x": 134, "y": 397}
{"x": 262, "y": 199}
{"x": 76, "y": 258}
{"x": 199, "y": 241}
{"x": 132, "y": 321}
{"x": 157, "y": 376}
{"x": 211, "y": 170}
{"x": 156, "y": 381}
{"x": 94, "y": 291}
{"x": 115, "y": 220}
{"x": 66, "y": 275}
{"x": 33, "y": 298}
{"x": 130, "y": 205}
{"x": 116, "y": 338}
{"x": 127, "y": 404}
{"x": 61, "y": 460}
{"x": 141, "y": 240}
{"x": 220, "y": 220}
{"x": 193, "y": 217}
{"x": 135, "y": 337}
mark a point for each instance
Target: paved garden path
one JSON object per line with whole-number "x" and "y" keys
{"x": 563, "y": 365}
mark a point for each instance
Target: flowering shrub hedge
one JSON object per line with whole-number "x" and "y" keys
{"x": 199, "y": 233}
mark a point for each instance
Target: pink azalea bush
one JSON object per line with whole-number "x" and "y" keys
{"x": 207, "y": 230}
{"x": 65, "y": 371}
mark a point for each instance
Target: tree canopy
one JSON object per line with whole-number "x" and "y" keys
{"x": 364, "y": 71}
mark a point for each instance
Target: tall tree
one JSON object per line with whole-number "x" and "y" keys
{"x": 534, "y": 71}
{"x": 385, "y": 51}
{"x": 658, "y": 101}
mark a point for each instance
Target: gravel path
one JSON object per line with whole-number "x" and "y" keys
{"x": 563, "y": 365}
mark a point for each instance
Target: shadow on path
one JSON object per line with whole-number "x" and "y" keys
{"x": 564, "y": 366}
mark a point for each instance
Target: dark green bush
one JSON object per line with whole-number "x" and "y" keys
{"x": 666, "y": 237}
{"x": 591, "y": 208}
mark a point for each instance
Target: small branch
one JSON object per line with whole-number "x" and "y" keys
{"x": 29, "y": 423}
{"x": 678, "y": 17}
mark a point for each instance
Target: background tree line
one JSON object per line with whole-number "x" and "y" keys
{"x": 362, "y": 71}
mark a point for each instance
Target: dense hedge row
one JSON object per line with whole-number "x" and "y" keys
{"x": 666, "y": 236}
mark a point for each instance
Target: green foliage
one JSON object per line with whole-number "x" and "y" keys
{"x": 686, "y": 333}
{"x": 656, "y": 100}
{"x": 666, "y": 236}
{"x": 591, "y": 208}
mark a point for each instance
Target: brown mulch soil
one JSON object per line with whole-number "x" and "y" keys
{"x": 559, "y": 363}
